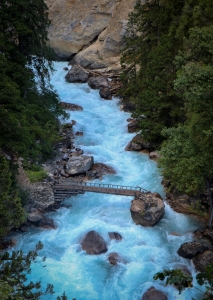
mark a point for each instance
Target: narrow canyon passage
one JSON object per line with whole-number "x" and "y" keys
{"x": 144, "y": 251}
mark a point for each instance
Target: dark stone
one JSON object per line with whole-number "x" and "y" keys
{"x": 98, "y": 82}
{"x": 105, "y": 93}
{"x": 113, "y": 258}
{"x": 153, "y": 294}
{"x": 76, "y": 74}
{"x": 47, "y": 223}
{"x": 133, "y": 126}
{"x": 190, "y": 249}
{"x": 115, "y": 236}
{"x": 93, "y": 243}
{"x": 79, "y": 133}
{"x": 202, "y": 260}
{"x": 71, "y": 106}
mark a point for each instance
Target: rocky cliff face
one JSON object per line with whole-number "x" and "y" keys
{"x": 92, "y": 30}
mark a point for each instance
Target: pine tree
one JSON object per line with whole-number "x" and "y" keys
{"x": 149, "y": 68}
{"x": 29, "y": 105}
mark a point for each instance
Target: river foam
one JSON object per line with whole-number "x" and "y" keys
{"x": 145, "y": 251}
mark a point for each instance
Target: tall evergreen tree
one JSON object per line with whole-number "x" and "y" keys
{"x": 149, "y": 68}
{"x": 29, "y": 105}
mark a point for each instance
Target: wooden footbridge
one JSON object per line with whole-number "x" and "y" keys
{"x": 62, "y": 192}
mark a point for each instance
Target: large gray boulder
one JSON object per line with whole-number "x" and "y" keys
{"x": 153, "y": 294}
{"x": 147, "y": 209}
{"x": 93, "y": 243}
{"x": 97, "y": 82}
{"x": 76, "y": 74}
{"x": 79, "y": 164}
{"x": 190, "y": 249}
{"x": 202, "y": 260}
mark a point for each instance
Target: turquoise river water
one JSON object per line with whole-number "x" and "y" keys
{"x": 145, "y": 250}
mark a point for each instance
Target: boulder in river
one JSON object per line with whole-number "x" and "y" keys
{"x": 147, "y": 209}
{"x": 79, "y": 164}
{"x": 105, "y": 93}
{"x": 71, "y": 106}
{"x": 113, "y": 258}
{"x": 115, "y": 236}
{"x": 190, "y": 249}
{"x": 153, "y": 294}
{"x": 93, "y": 243}
{"x": 76, "y": 74}
{"x": 97, "y": 82}
{"x": 202, "y": 260}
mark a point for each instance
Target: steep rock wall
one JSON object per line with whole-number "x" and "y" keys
{"x": 92, "y": 29}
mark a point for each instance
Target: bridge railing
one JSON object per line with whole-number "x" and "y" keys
{"x": 109, "y": 186}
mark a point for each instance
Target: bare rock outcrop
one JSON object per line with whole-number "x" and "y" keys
{"x": 93, "y": 28}
{"x": 147, "y": 209}
{"x": 93, "y": 243}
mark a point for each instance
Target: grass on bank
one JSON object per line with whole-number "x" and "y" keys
{"x": 36, "y": 173}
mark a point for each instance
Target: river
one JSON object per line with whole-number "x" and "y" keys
{"x": 144, "y": 250}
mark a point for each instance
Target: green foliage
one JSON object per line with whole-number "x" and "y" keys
{"x": 36, "y": 173}
{"x": 11, "y": 211}
{"x": 175, "y": 277}
{"x": 14, "y": 284}
{"x": 182, "y": 281}
{"x": 29, "y": 105}
{"x": 167, "y": 75}
{"x": 148, "y": 66}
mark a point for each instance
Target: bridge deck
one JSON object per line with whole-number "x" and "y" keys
{"x": 64, "y": 191}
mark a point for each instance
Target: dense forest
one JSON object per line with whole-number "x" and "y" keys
{"x": 167, "y": 79}
{"x": 29, "y": 113}
{"x": 29, "y": 106}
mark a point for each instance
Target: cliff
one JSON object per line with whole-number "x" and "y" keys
{"x": 90, "y": 31}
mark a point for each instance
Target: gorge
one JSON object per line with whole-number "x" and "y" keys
{"x": 143, "y": 251}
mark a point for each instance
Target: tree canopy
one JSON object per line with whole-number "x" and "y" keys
{"x": 29, "y": 105}
{"x": 168, "y": 75}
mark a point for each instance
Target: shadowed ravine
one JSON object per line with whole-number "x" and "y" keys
{"x": 145, "y": 251}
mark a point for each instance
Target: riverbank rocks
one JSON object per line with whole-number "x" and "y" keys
{"x": 79, "y": 164}
{"x": 93, "y": 243}
{"x": 71, "y": 106}
{"x": 105, "y": 93}
{"x": 190, "y": 249}
{"x": 133, "y": 126}
{"x": 154, "y": 155}
{"x": 202, "y": 260}
{"x": 97, "y": 82}
{"x": 138, "y": 144}
{"x": 147, "y": 209}
{"x": 153, "y": 294}
{"x": 76, "y": 74}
